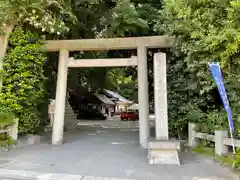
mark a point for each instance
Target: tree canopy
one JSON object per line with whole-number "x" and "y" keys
{"x": 204, "y": 30}
{"x": 23, "y": 92}
{"x": 48, "y": 15}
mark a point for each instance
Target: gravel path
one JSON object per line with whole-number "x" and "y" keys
{"x": 107, "y": 149}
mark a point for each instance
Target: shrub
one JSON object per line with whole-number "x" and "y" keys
{"x": 204, "y": 31}
{"x": 23, "y": 86}
{"x": 5, "y": 120}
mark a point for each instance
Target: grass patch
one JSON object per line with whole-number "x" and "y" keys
{"x": 228, "y": 160}
{"x": 6, "y": 141}
{"x": 207, "y": 151}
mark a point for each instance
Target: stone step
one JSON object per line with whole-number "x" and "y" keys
{"x": 70, "y": 114}
{"x": 68, "y": 119}
{"x": 69, "y": 111}
{"x": 74, "y": 121}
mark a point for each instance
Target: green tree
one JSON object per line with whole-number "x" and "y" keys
{"x": 23, "y": 92}
{"x": 205, "y": 31}
{"x": 110, "y": 19}
{"x": 125, "y": 84}
{"x": 47, "y": 15}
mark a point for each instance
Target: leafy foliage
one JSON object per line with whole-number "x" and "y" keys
{"x": 236, "y": 160}
{"x": 205, "y": 31}
{"x": 6, "y": 119}
{"x": 48, "y": 15}
{"x": 123, "y": 83}
{"x": 110, "y": 19}
{"x": 5, "y": 140}
{"x": 23, "y": 91}
{"x": 123, "y": 18}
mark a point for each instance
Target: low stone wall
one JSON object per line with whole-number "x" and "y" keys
{"x": 221, "y": 139}
{"x": 12, "y": 130}
{"x": 24, "y": 141}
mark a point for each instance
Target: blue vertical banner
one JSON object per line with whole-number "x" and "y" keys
{"x": 217, "y": 76}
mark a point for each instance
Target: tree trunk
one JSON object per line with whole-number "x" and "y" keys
{"x": 3, "y": 47}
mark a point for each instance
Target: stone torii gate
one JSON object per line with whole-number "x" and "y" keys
{"x": 139, "y": 43}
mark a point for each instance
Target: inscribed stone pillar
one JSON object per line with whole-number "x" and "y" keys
{"x": 58, "y": 124}
{"x": 160, "y": 96}
{"x": 143, "y": 96}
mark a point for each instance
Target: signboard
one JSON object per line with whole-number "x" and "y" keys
{"x": 217, "y": 75}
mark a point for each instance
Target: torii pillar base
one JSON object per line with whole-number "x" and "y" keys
{"x": 163, "y": 152}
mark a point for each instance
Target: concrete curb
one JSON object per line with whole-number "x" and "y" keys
{"x": 49, "y": 176}
{"x": 37, "y": 175}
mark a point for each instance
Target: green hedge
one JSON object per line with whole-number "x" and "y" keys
{"x": 23, "y": 91}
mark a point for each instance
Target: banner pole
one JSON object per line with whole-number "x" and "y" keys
{"x": 233, "y": 143}
{"x": 217, "y": 76}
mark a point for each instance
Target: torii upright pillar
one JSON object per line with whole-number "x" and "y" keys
{"x": 58, "y": 123}
{"x": 143, "y": 96}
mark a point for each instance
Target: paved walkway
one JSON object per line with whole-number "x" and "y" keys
{"x": 107, "y": 149}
